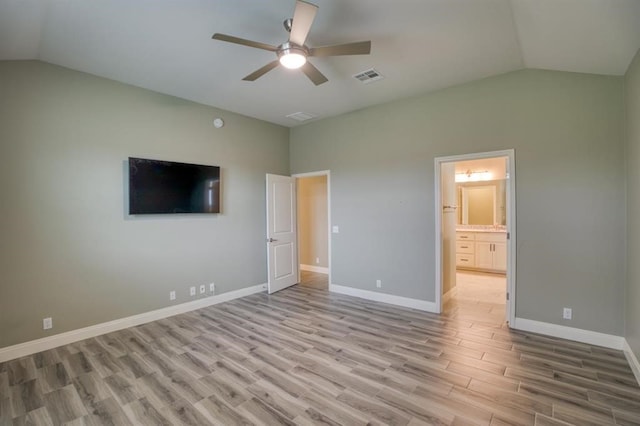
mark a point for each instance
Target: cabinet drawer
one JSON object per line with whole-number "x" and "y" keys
{"x": 492, "y": 237}
{"x": 465, "y": 260}
{"x": 465, "y": 236}
{"x": 464, "y": 247}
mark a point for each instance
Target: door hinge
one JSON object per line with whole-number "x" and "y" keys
{"x": 508, "y": 235}
{"x": 507, "y": 295}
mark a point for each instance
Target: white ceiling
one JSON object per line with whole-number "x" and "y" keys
{"x": 418, "y": 45}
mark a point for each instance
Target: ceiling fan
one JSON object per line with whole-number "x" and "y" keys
{"x": 293, "y": 53}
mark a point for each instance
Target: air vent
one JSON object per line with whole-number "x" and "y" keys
{"x": 369, "y": 76}
{"x": 301, "y": 116}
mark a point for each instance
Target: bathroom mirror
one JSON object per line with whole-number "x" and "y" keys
{"x": 481, "y": 203}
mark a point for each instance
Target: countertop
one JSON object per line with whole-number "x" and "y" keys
{"x": 481, "y": 228}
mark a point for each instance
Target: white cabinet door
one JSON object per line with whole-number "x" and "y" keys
{"x": 484, "y": 255}
{"x": 500, "y": 256}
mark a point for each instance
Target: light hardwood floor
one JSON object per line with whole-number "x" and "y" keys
{"x": 305, "y": 356}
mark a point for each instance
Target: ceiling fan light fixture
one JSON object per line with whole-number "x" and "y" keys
{"x": 291, "y": 56}
{"x": 293, "y": 60}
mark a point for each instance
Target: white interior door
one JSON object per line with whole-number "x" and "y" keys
{"x": 449, "y": 219}
{"x": 282, "y": 253}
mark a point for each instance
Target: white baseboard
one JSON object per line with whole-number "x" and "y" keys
{"x": 311, "y": 268}
{"x": 406, "y": 302}
{"x": 570, "y": 333}
{"x": 448, "y": 295}
{"x": 50, "y": 342}
{"x": 633, "y": 360}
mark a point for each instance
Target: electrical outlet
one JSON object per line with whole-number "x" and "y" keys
{"x": 192, "y": 291}
{"x": 212, "y": 288}
{"x": 335, "y": 229}
{"x": 379, "y": 283}
{"x": 47, "y": 323}
{"x": 203, "y": 288}
{"x": 172, "y": 295}
{"x": 567, "y": 313}
{"x": 317, "y": 260}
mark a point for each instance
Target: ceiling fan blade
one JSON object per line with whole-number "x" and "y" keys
{"x": 358, "y": 48}
{"x": 314, "y": 74}
{"x": 244, "y": 42}
{"x": 261, "y": 71}
{"x": 303, "y": 17}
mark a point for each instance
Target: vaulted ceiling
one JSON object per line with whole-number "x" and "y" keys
{"x": 417, "y": 45}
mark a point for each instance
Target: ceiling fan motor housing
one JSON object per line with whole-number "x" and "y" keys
{"x": 288, "y": 23}
{"x": 289, "y": 48}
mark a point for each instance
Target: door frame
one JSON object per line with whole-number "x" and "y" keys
{"x": 511, "y": 224}
{"x": 326, "y": 173}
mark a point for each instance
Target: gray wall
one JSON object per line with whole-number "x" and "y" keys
{"x": 567, "y": 132}
{"x": 67, "y": 249}
{"x": 632, "y": 308}
{"x": 313, "y": 221}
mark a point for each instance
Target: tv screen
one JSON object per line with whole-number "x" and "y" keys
{"x": 165, "y": 187}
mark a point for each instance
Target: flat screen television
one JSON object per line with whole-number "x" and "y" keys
{"x": 167, "y": 187}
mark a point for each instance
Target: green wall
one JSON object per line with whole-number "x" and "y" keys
{"x": 567, "y": 132}
{"x": 68, "y": 249}
{"x": 632, "y": 297}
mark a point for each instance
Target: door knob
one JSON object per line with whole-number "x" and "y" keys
{"x": 271, "y": 240}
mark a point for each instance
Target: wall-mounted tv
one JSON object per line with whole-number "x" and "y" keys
{"x": 167, "y": 187}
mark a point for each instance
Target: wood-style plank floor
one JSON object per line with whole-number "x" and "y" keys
{"x": 305, "y": 356}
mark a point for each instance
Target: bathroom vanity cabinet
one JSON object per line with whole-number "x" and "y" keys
{"x": 481, "y": 250}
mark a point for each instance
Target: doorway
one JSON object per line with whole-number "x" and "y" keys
{"x": 475, "y": 235}
{"x": 314, "y": 237}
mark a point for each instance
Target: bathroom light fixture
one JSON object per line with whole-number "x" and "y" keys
{"x": 292, "y": 56}
{"x": 471, "y": 176}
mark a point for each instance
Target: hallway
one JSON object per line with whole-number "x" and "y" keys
{"x": 314, "y": 280}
